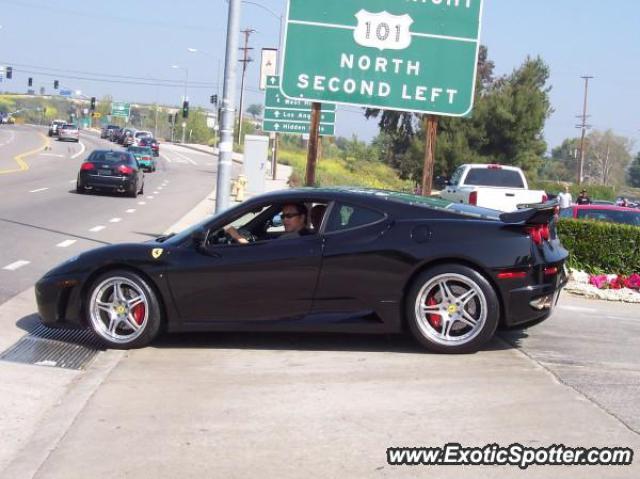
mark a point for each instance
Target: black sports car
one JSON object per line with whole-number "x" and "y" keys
{"x": 370, "y": 262}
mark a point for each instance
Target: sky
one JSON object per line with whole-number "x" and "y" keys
{"x": 145, "y": 38}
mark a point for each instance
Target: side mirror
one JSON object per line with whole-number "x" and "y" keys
{"x": 198, "y": 237}
{"x": 276, "y": 221}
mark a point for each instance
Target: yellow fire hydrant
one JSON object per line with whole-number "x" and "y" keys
{"x": 241, "y": 184}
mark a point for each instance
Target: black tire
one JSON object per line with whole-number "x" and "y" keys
{"x": 79, "y": 189}
{"x": 142, "y": 189}
{"x": 482, "y": 306}
{"x": 150, "y": 327}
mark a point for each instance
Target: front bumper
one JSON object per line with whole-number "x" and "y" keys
{"x": 59, "y": 301}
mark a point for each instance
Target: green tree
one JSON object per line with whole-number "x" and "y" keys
{"x": 505, "y": 127}
{"x": 255, "y": 110}
{"x": 633, "y": 173}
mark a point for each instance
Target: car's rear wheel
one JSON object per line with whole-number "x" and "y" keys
{"x": 452, "y": 308}
{"x": 123, "y": 310}
{"x": 79, "y": 188}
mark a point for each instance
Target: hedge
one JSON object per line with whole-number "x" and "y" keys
{"x": 599, "y": 247}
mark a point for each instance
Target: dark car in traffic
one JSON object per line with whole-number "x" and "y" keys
{"x": 607, "y": 213}
{"x": 107, "y": 131}
{"x": 151, "y": 143}
{"x": 371, "y": 262}
{"x": 116, "y": 171}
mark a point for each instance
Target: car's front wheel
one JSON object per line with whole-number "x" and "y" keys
{"x": 123, "y": 310}
{"x": 452, "y": 308}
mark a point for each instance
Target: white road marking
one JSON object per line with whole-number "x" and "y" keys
{"x": 578, "y": 309}
{"x": 115, "y": 220}
{"x": 149, "y": 197}
{"x": 167, "y": 158}
{"x": 55, "y": 155}
{"x": 95, "y": 229}
{"x": 82, "y": 148}
{"x": 142, "y": 203}
{"x": 66, "y": 243}
{"x": 156, "y": 193}
{"x": 132, "y": 210}
{"x": 73, "y": 181}
{"x": 38, "y": 190}
{"x": 18, "y": 264}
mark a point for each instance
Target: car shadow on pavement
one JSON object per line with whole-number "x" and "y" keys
{"x": 398, "y": 343}
{"x": 109, "y": 193}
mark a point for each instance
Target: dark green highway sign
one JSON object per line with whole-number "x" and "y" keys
{"x": 411, "y": 55}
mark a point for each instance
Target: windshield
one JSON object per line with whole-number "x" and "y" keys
{"x": 612, "y": 216}
{"x": 110, "y": 156}
{"x": 494, "y": 177}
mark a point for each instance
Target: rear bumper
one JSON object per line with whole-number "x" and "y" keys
{"x": 116, "y": 183}
{"x": 533, "y": 303}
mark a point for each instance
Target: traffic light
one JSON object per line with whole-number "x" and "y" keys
{"x": 214, "y": 99}
{"x": 170, "y": 118}
{"x": 9, "y": 73}
{"x": 30, "y": 82}
{"x": 93, "y": 103}
{"x": 185, "y": 109}
{"x": 56, "y": 84}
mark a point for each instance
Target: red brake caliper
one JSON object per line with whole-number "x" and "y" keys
{"x": 138, "y": 313}
{"x": 434, "y": 319}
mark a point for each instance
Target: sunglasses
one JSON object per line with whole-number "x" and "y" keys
{"x": 288, "y": 216}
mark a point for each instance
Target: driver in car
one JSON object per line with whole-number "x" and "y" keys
{"x": 294, "y": 218}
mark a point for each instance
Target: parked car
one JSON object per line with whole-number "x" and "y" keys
{"x": 609, "y": 213}
{"x": 53, "y": 127}
{"x": 111, "y": 170}
{"x": 144, "y": 157}
{"x": 496, "y": 187}
{"x": 371, "y": 262}
{"x": 68, "y": 132}
{"x": 151, "y": 143}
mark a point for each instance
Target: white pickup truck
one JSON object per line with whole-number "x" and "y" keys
{"x": 496, "y": 187}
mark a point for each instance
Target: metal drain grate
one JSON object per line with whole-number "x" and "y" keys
{"x": 60, "y": 348}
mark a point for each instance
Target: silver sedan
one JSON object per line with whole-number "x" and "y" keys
{"x": 68, "y": 133}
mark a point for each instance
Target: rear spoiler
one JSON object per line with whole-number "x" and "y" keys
{"x": 538, "y": 214}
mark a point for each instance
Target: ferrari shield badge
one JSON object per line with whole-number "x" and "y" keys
{"x": 156, "y": 252}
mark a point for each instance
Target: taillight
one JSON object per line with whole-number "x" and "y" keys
{"x": 87, "y": 166}
{"x": 125, "y": 170}
{"x": 551, "y": 271}
{"x": 545, "y": 198}
{"x": 146, "y": 158}
{"x": 473, "y": 198}
{"x": 512, "y": 275}
{"x": 539, "y": 234}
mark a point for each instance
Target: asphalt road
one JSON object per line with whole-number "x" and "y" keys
{"x": 44, "y": 221}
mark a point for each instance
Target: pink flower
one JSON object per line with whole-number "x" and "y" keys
{"x": 599, "y": 281}
{"x": 618, "y": 282}
{"x": 633, "y": 281}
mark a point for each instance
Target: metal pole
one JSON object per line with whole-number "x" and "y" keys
{"x": 225, "y": 144}
{"x": 245, "y": 61}
{"x": 583, "y": 126}
{"x": 186, "y": 98}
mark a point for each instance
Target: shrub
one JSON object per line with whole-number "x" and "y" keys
{"x": 599, "y": 247}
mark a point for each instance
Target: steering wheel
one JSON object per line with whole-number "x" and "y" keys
{"x": 248, "y": 235}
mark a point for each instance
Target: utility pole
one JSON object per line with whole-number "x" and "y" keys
{"x": 583, "y": 126}
{"x": 225, "y": 144}
{"x": 245, "y": 62}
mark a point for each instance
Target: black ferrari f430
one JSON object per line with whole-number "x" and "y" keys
{"x": 369, "y": 261}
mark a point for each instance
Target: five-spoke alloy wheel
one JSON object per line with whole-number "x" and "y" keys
{"x": 123, "y": 310}
{"x": 452, "y": 309}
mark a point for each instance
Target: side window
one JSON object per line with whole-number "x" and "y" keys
{"x": 345, "y": 216}
{"x": 455, "y": 178}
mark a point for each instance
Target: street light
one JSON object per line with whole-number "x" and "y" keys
{"x": 186, "y": 98}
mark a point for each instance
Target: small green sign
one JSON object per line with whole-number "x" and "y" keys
{"x": 284, "y": 115}
{"x": 409, "y": 55}
{"x": 120, "y": 109}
